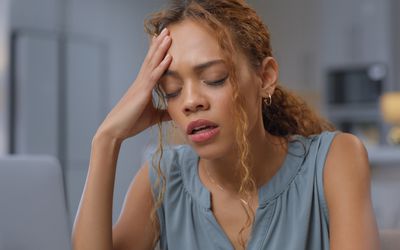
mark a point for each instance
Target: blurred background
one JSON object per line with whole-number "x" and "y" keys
{"x": 65, "y": 63}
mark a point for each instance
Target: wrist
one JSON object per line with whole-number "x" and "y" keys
{"x": 104, "y": 138}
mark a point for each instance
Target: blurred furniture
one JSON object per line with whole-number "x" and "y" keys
{"x": 352, "y": 100}
{"x": 354, "y": 104}
{"x": 385, "y": 198}
{"x": 384, "y": 155}
{"x": 385, "y": 195}
{"x": 33, "y": 214}
{"x": 390, "y": 239}
{"x": 390, "y": 107}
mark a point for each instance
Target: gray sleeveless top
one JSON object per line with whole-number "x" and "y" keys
{"x": 292, "y": 212}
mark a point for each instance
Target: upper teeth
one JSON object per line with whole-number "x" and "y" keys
{"x": 199, "y": 128}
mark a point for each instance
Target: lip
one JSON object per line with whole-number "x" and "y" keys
{"x": 198, "y": 123}
{"x": 204, "y": 136}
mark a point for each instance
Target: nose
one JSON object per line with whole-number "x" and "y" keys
{"x": 194, "y": 99}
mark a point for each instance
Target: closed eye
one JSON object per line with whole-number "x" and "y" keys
{"x": 217, "y": 82}
{"x": 172, "y": 95}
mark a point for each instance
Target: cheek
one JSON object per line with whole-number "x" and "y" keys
{"x": 172, "y": 110}
{"x": 224, "y": 103}
{"x": 252, "y": 99}
{"x": 227, "y": 105}
{"x": 250, "y": 90}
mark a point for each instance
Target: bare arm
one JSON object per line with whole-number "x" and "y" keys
{"x": 347, "y": 190}
{"x": 93, "y": 222}
{"x": 132, "y": 114}
{"x": 93, "y": 227}
{"x": 134, "y": 228}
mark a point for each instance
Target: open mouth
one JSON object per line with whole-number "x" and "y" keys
{"x": 200, "y": 125}
{"x": 202, "y": 128}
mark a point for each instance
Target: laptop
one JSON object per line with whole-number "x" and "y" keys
{"x": 33, "y": 214}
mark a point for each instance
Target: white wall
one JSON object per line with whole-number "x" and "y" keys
{"x": 395, "y": 21}
{"x": 4, "y": 45}
{"x": 119, "y": 24}
{"x": 357, "y": 32}
{"x": 43, "y": 15}
{"x": 296, "y": 40}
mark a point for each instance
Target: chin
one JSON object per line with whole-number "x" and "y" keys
{"x": 213, "y": 150}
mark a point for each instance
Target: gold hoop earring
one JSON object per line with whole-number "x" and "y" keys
{"x": 268, "y": 100}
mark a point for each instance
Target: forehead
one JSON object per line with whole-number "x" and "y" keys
{"x": 192, "y": 43}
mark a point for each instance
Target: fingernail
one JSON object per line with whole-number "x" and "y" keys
{"x": 166, "y": 39}
{"x": 163, "y": 31}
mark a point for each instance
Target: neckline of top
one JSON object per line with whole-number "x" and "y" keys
{"x": 297, "y": 150}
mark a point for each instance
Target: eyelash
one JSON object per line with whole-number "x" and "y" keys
{"x": 212, "y": 83}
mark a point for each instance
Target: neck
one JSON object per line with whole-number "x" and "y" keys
{"x": 266, "y": 155}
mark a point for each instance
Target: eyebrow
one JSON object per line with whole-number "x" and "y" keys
{"x": 198, "y": 68}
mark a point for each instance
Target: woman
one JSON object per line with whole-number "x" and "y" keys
{"x": 259, "y": 171}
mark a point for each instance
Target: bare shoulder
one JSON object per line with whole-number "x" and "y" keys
{"x": 347, "y": 183}
{"x": 346, "y": 167}
{"x": 347, "y": 155}
{"x": 134, "y": 228}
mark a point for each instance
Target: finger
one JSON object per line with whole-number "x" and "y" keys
{"x": 151, "y": 39}
{"x": 156, "y": 41}
{"x": 161, "y": 68}
{"x": 160, "y": 53}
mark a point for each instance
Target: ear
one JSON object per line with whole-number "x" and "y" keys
{"x": 269, "y": 72}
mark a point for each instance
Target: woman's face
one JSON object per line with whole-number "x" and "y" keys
{"x": 198, "y": 91}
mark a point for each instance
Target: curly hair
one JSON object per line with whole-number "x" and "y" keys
{"x": 237, "y": 26}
